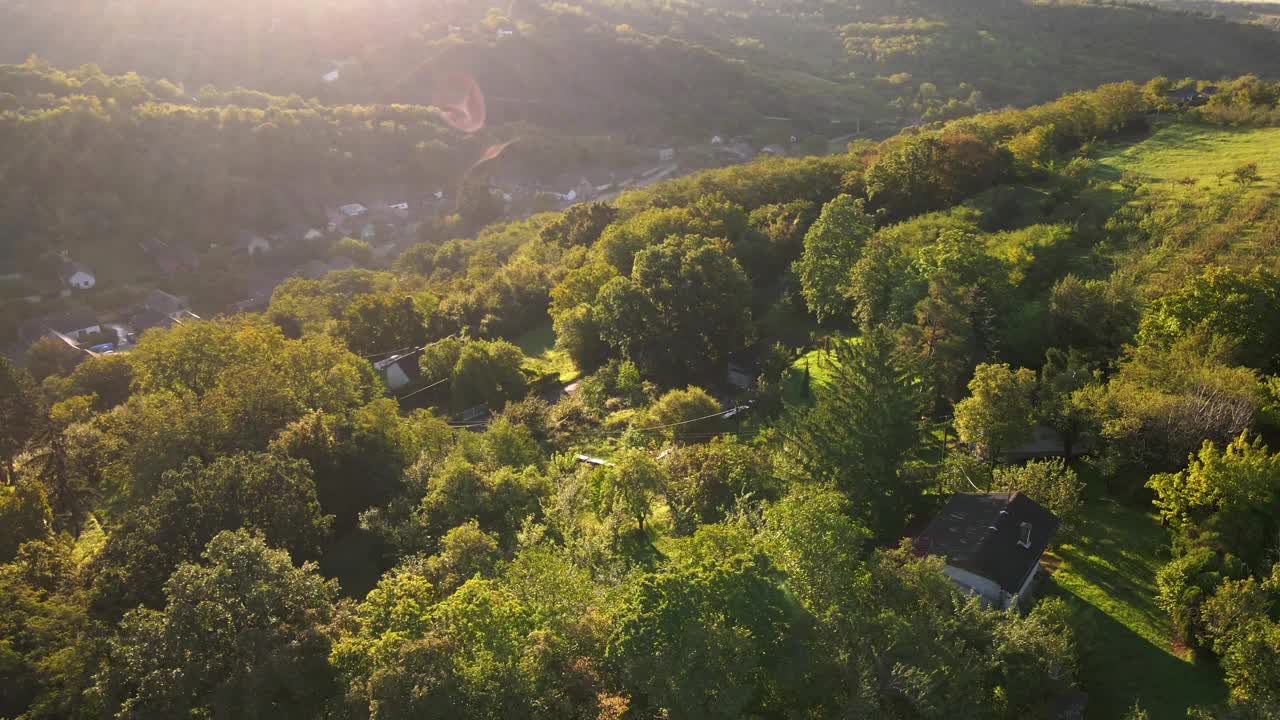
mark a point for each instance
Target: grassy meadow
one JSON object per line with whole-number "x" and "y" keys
{"x": 1185, "y": 208}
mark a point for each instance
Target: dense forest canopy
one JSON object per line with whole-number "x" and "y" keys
{"x": 674, "y": 452}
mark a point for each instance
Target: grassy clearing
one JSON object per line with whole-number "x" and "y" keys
{"x": 818, "y": 364}
{"x": 1191, "y": 211}
{"x": 1180, "y": 150}
{"x": 539, "y": 345}
{"x": 1107, "y": 570}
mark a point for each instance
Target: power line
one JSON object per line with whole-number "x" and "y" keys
{"x": 423, "y": 389}
{"x": 411, "y": 347}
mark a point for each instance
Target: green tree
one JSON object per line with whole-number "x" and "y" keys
{"x": 723, "y": 616}
{"x": 488, "y": 373}
{"x": 107, "y": 377}
{"x": 465, "y": 552}
{"x": 581, "y": 224}
{"x": 831, "y": 248}
{"x": 21, "y": 414}
{"x": 475, "y": 655}
{"x": 687, "y": 293}
{"x": 882, "y": 286}
{"x": 24, "y": 516}
{"x": 239, "y": 635}
{"x": 631, "y": 485}
{"x": 690, "y": 410}
{"x": 51, "y": 356}
{"x": 1224, "y": 302}
{"x": 704, "y": 481}
{"x": 1062, "y": 375}
{"x": 1162, "y": 404}
{"x": 382, "y": 323}
{"x": 1231, "y": 494}
{"x": 49, "y": 646}
{"x": 1049, "y": 482}
{"x": 272, "y": 495}
{"x": 997, "y": 415}
{"x": 861, "y": 431}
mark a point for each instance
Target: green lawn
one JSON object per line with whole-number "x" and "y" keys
{"x": 1182, "y": 150}
{"x": 539, "y": 344}
{"x": 1107, "y": 569}
{"x": 818, "y": 362}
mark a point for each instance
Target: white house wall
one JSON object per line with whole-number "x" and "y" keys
{"x": 985, "y": 588}
{"x": 396, "y": 377}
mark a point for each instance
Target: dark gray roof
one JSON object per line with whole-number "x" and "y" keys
{"x": 162, "y": 302}
{"x": 410, "y": 364}
{"x": 68, "y": 321}
{"x": 979, "y": 532}
{"x": 148, "y": 318}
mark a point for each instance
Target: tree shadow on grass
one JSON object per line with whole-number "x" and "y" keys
{"x": 1105, "y": 569}
{"x": 1120, "y": 667}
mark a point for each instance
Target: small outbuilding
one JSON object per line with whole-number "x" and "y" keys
{"x": 991, "y": 542}
{"x": 78, "y": 275}
{"x": 401, "y": 369}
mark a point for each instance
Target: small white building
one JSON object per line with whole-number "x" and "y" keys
{"x": 312, "y": 235}
{"x": 666, "y": 154}
{"x": 398, "y": 371}
{"x": 331, "y": 76}
{"x": 992, "y": 544}
{"x": 78, "y": 275}
{"x": 252, "y": 243}
{"x": 353, "y": 210}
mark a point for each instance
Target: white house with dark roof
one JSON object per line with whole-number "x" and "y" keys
{"x": 77, "y": 275}
{"x": 991, "y": 543}
{"x": 252, "y": 243}
{"x": 401, "y": 369}
{"x": 73, "y": 324}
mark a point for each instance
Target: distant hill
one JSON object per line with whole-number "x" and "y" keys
{"x": 646, "y": 67}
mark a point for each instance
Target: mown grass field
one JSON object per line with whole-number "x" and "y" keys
{"x": 1183, "y": 150}
{"x": 1106, "y": 568}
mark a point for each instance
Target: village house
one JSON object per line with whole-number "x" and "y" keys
{"x": 77, "y": 275}
{"x": 991, "y": 543}
{"x": 72, "y": 324}
{"x": 1190, "y": 96}
{"x": 146, "y": 319}
{"x": 398, "y": 371}
{"x": 666, "y": 154}
{"x": 313, "y": 234}
{"x": 166, "y": 304}
{"x": 352, "y": 210}
{"x": 252, "y": 243}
